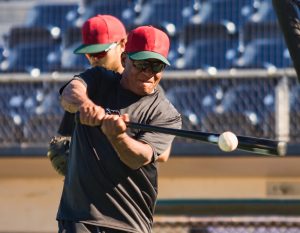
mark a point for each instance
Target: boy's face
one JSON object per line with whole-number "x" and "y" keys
{"x": 110, "y": 60}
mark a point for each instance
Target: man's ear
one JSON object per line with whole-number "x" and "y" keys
{"x": 123, "y": 43}
{"x": 123, "y": 59}
{"x": 90, "y": 59}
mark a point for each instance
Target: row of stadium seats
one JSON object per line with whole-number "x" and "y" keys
{"x": 179, "y": 12}
{"x": 228, "y": 34}
{"x": 196, "y": 47}
{"x": 247, "y": 107}
{"x": 139, "y": 12}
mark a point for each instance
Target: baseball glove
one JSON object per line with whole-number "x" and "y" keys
{"x": 58, "y": 153}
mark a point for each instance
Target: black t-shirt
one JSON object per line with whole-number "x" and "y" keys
{"x": 67, "y": 124}
{"x": 99, "y": 188}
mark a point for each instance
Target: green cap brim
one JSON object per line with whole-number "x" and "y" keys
{"x": 143, "y": 55}
{"x": 91, "y": 48}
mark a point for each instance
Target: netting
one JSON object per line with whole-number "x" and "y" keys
{"x": 258, "y": 224}
{"x": 31, "y": 113}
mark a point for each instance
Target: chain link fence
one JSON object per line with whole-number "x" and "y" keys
{"x": 257, "y": 224}
{"x": 31, "y": 113}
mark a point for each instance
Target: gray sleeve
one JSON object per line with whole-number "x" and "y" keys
{"x": 86, "y": 78}
{"x": 165, "y": 116}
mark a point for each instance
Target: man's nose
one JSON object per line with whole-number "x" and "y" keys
{"x": 148, "y": 72}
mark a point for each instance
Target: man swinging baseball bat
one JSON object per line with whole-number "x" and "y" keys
{"x": 104, "y": 38}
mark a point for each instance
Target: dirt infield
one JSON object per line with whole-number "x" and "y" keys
{"x": 29, "y": 205}
{"x": 29, "y": 195}
{"x": 30, "y": 189}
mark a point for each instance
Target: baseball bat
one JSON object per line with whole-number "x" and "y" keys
{"x": 251, "y": 144}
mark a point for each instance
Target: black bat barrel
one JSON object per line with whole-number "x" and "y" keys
{"x": 262, "y": 145}
{"x": 252, "y": 144}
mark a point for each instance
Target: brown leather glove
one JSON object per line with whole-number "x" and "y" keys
{"x": 58, "y": 153}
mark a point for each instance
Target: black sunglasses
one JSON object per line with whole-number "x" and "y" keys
{"x": 142, "y": 65}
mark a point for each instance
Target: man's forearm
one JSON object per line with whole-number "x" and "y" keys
{"x": 133, "y": 153}
{"x": 73, "y": 96}
{"x": 68, "y": 106}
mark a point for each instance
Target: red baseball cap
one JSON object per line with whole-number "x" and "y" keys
{"x": 146, "y": 42}
{"x": 99, "y": 33}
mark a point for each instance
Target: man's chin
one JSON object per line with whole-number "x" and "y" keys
{"x": 147, "y": 88}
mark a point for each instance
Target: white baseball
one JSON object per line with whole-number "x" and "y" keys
{"x": 228, "y": 141}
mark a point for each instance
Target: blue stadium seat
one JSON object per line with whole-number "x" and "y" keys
{"x": 255, "y": 102}
{"x": 195, "y": 102}
{"x": 224, "y": 12}
{"x": 22, "y": 35}
{"x": 71, "y": 62}
{"x": 71, "y": 36}
{"x": 238, "y": 123}
{"x": 11, "y": 131}
{"x": 193, "y": 32}
{"x": 172, "y": 14}
{"x": 47, "y": 110}
{"x": 264, "y": 53}
{"x": 22, "y": 101}
{"x": 29, "y": 47}
{"x": 263, "y": 12}
{"x": 37, "y": 130}
{"x": 14, "y": 102}
{"x": 262, "y": 30}
{"x": 25, "y": 57}
{"x": 122, "y": 9}
{"x": 206, "y": 31}
{"x": 259, "y": 98}
{"x": 49, "y": 103}
{"x": 245, "y": 110}
{"x": 205, "y": 54}
{"x": 50, "y": 15}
